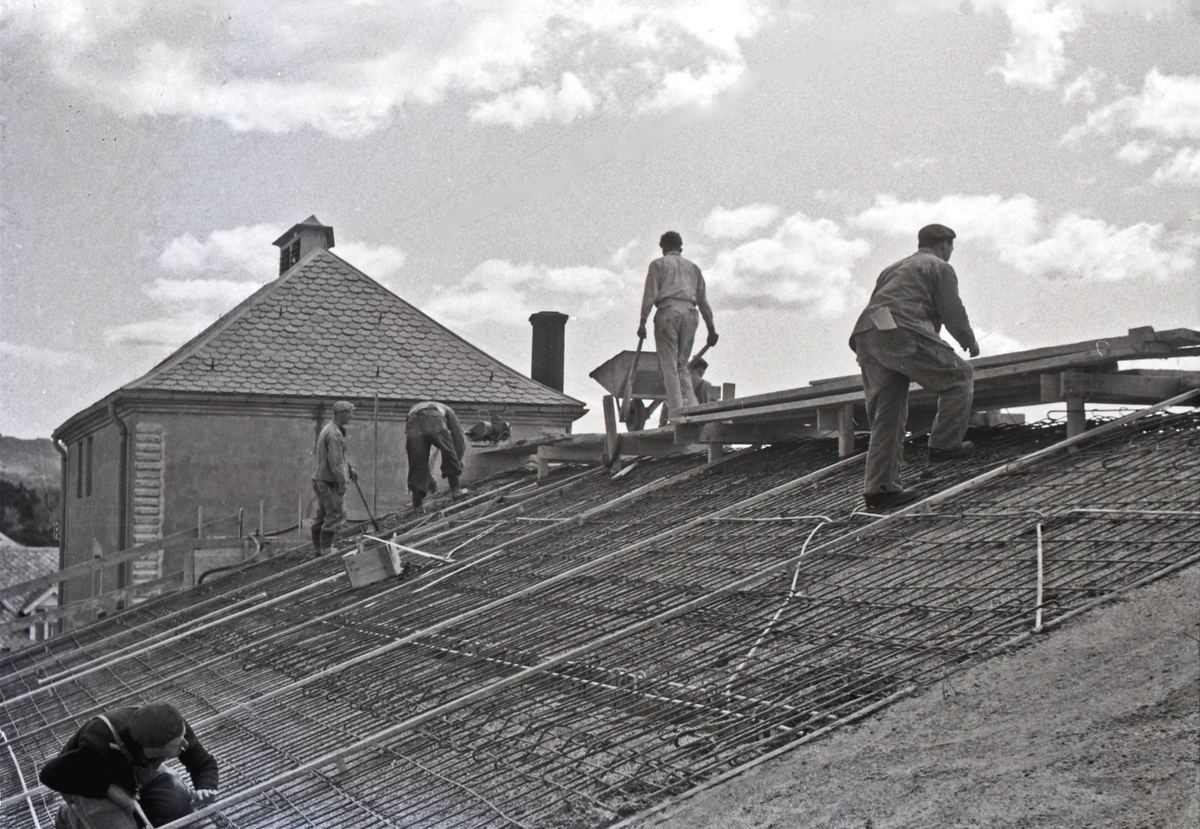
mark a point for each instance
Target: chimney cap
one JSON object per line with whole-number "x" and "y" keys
{"x": 311, "y": 223}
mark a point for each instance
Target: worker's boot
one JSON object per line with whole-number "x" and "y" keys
{"x": 964, "y": 450}
{"x": 316, "y": 537}
{"x": 327, "y": 537}
{"x": 880, "y": 501}
{"x": 456, "y": 491}
{"x": 418, "y": 502}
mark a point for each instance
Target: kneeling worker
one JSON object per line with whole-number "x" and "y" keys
{"x": 111, "y": 776}
{"x": 433, "y": 424}
{"x": 896, "y": 340}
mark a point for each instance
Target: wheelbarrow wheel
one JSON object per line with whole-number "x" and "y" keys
{"x": 635, "y": 421}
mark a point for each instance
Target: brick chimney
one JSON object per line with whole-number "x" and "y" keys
{"x": 549, "y": 339}
{"x": 302, "y": 240}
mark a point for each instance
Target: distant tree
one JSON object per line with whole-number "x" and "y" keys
{"x": 28, "y": 515}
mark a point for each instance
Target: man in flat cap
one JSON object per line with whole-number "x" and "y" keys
{"x": 332, "y": 475}
{"x": 111, "y": 776}
{"x": 675, "y": 290}
{"x": 433, "y": 424}
{"x": 896, "y": 340}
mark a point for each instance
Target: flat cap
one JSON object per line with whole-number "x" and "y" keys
{"x": 156, "y": 724}
{"x": 343, "y": 406}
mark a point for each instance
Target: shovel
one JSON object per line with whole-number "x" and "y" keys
{"x": 374, "y": 523}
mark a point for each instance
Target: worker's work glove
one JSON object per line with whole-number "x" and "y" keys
{"x": 712, "y": 338}
{"x": 353, "y": 475}
{"x": 974, "y": 349}
{"x": 641, "y": 332}
{"x": 203, "y": 797}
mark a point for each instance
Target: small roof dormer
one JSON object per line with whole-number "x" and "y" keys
{"x": 301, "y": 240}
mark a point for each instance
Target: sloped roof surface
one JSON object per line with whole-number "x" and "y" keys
{"x": 324, "y": 328}
{"x": 594, "y": 649}
{"x": 19, "y": 563}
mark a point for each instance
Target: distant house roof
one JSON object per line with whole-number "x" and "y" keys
{"x": 325, "y": 328}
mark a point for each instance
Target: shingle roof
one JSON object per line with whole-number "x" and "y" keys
{"x": 18, "y": 564}
{"x": 325, "y": 328}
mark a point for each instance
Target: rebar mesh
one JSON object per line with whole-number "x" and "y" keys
{"x": 586, "y": 673}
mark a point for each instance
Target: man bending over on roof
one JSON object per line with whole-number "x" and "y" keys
{"x": 331, "y": 476}
{"x": 111, "y": 776}
{"x": 675, "y": 287}
{"x": 896, "y": 340}
{"x": 433, "y": 424}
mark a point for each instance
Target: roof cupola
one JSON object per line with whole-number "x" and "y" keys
{"x": 302, "y": 240}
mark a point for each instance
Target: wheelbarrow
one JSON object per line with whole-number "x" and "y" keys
{"x": 646, "y": 390}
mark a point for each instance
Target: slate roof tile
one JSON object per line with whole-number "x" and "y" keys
{"x": 324, "y": 328}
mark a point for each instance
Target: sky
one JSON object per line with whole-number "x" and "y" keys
{"x": 488, "y": 159}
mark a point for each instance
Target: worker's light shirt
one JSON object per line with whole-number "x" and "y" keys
{"x": 920, "y": 294}
{"x": 671, "y": 278}
{"x": 332, "y": 465}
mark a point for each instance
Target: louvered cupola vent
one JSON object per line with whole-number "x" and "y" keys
{"x": 301, "y": 240}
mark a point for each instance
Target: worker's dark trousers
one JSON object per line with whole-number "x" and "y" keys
{"x": 889, "y": 361}
{"x": 674, "y": 335}
{"x": 331, "y": 508}
{"x": 163, "y": 798}
{"x": 426, "y": 429}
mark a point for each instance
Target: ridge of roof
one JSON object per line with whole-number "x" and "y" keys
{"x": 326, "y": 328}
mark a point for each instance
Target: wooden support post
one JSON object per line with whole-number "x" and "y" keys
{"x": 846, "y": 431}
{"x": 728, "y": 391}
{"x": 612, "y": 440}
{"x": 716, "y": 451}
{"x": 1076, "y": 417}
{"x": 543, "y": 463}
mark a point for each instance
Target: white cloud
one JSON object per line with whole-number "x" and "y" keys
{"x": 1168, "y": 106}
{"x": 246, "y": 251}
{"x": 1183, "y": 170}
{"x": 521, "y": 107}
{"x": 377, "y": 261}
{"x": 1093, "y": 250}
{"x": 283, "y": 65}
{"x": 506, "y": 292}
{"x": 807, "y": 263}
{"x": 210, "y": 276}
{"x": 1083, "y": 88}
{"x": 1137, "y": 152}
{"x": 739, "y": 222}
{"x": 44, "y": 357}
{"x": 682, "y": 88}
{"x": 1037, "y": 55}
{"x": 1076, "y": 246}
{"x": 992, "y": 218}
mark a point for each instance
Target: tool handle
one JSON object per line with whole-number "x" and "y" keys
{"x": 627, "y": 396}
{"x": 367, "y": 506}
{"x": 699, "y": 354}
